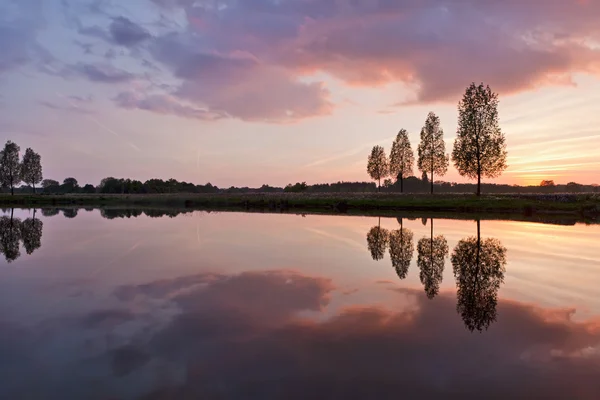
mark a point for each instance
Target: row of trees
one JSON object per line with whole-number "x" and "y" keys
{"x": 479, "y": 149}
{"x": 13, "y": 231}
{"x": 478, "y": 265}
{"x": 13, "y": 170}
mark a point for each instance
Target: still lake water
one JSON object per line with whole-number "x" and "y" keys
{"x": 264, "y": 306}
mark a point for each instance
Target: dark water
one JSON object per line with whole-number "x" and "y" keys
{"x": 131, "y": 305}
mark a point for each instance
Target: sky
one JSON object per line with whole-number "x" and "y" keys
{"x": 245, "y": 93}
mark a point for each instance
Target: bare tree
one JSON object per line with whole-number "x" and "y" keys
{"x": 31, "y": 168}
{"x": 480, "y": 146}
{"x": 378, "y": 166}
{"x": 402, "y": 158}
{"x": 10, "y": 167}
{"x": 432, "y": 149}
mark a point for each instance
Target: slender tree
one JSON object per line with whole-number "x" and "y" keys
{"x": 31, "y": 168}
{"x": 480, "y": 146}
{"x": 431, "y": 260}
{"x": 377, "y": 241}
{"x": 401, "y": 249}
{"x": 31, "y": 233}
{"x": 10, "y": 167}
{"x": 10, "y": 234}
{"x": 432, "y": 149}
{"x": 378, "y": 166}
{"x": 402, "y": 158}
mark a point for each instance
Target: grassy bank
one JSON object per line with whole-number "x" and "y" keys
{"x": 581, "y": 205}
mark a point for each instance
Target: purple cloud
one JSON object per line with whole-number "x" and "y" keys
{"x": 436, "y": 46}
{"x": 104, "y": 73}
{"x": 164, "y": 104}
{"x": 127, "y": 33}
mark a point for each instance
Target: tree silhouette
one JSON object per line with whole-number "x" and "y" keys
{"x": 10, "y": 233}
{"x": 479, "y": 267}
{"x": 50, "y": 212}
{"x": 432, "y": 149}
{"x": 70, "y": 212}
{"x": 377, "y": 165}
{"x": 10, "y": 166}
{"x": 31, "y": 233}
{"x": 431, "y": 258}
{"x": 31, "y": 168}
{"x": 480, "y": 146}
{"x": 401, "y": 158}
{"x": 401, "y": 249}
{"x": 377, "y": 241}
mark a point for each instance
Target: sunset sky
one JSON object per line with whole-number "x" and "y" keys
{"x": 246, "y": 92}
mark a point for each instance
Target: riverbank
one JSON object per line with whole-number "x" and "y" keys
{"x": 580, "y": 205}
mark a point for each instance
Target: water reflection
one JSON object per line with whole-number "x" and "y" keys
{"x": 377, "y": 241}
{"x": 431, "y": 258}
{"x": 479, "y": 267}
{"x": 237, "y": 306}
{"x": 401, "y": 249}
{"x": 13, "y": 231}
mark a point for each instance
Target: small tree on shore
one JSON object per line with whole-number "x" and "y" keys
{"x": 480, "y": 146}
{"x": 432, "y": 149}
{"x": 402, "y": 158}
{"x": 10, "y": 167}
{"x": 31, "y": 168}
{"x": 378, "y": 166}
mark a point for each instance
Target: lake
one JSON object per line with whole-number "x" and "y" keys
{"x": 132, "y": 304}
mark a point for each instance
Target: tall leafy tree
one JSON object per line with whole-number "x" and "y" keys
{"x": 10, "y": 167}
{"x": 431, "y": 260}
{"x": 377, "y": 241}
{"x": 480, "y": 147}
{"x": 402, "y": 158}
{"x": 31, "y": 168}
{"x": 10, "y": 234}
{"x": 479, "y": 266}
{"x": 401, "y": 249}
{"x": 432, "y": 149}
{"x": 31, "y": 233}
{"x": 378, "y": 165}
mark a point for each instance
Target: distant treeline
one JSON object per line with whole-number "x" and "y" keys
{"x": 411, "y": 184}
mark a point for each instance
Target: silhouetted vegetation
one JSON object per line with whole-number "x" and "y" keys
{"x": 10, "y": 166}
{"x": 480, "y": 146}
{"x": 377, "y": 241}
{"x": 431, "y": 258}
{"x": 378, "y": 165}
{"x": 479, "y": 267}
{"x": 432, "y": 149}
{"x": 401, "y": 158}
{"x": 401, "y": 249}
{"x": 13, "y": 231}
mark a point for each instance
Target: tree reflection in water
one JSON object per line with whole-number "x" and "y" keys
{"x": 479, "y": 267}
{"x": 401, "y": 249}
{"x": 377, "y": 241}
{"x": 431, "y": 258}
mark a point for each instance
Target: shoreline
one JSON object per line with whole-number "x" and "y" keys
{"x": 580, "y": 206}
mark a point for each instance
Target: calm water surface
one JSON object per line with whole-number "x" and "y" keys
{"x": 110, "y": 305}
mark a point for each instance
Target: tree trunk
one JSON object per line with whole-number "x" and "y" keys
{"x": 479, "y": 183}
{"x": 432, "y": 182}
{"x": 12, "y": 190}
{"x": 33, "y": 187}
